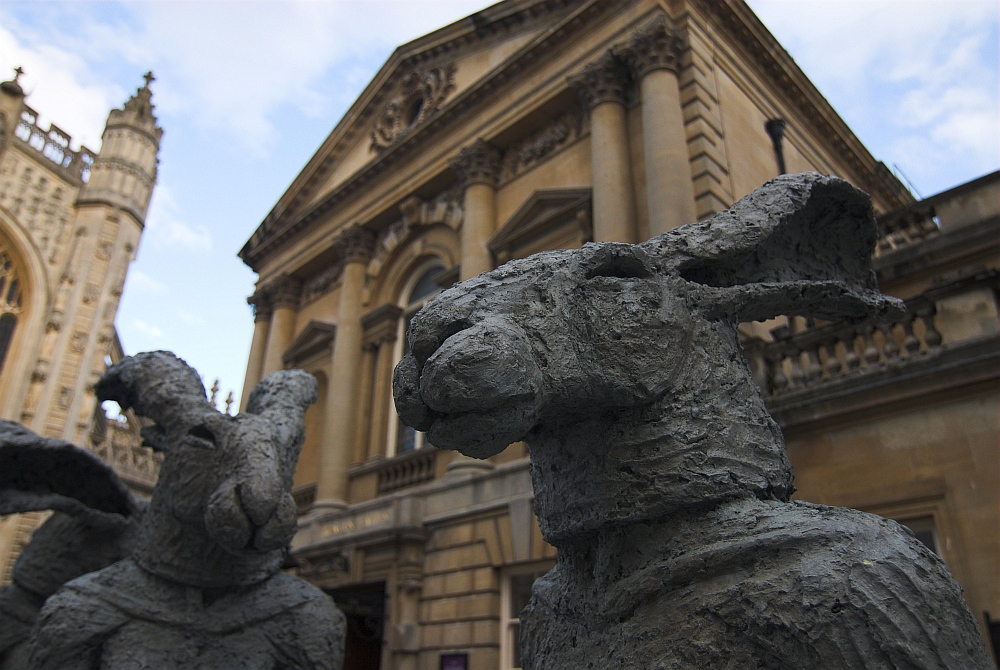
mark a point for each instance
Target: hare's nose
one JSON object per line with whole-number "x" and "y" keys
{"x": 478, "y": 367}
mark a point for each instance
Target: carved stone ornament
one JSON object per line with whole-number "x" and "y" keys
{"x": 657, "y": 46}
{"x": 563, "y": 131}
{"x": 320, "y": 283}
{"x": 604, "y": 80}
{"x": 261, "y": 303}
{"x": 190, "y": 580}
{"x": 658, "y": 473}
{"x": 284, "y": 291}
{"x": 478, "y": 163}
{"x": 420, "y": 94}
{"x": 355, "y": 245}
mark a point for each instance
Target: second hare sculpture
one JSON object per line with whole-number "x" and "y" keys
{"x": 200, "y": 587}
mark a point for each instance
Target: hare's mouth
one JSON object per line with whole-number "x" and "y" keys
{"x": 477, "y": 393}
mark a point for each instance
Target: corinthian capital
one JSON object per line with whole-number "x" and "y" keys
{"x": 478, "y": 163}
{"x": 656, "y": 46}
{"x": 261, "y": 303}
{"x": 284, "y": 292}
{"x": 355, "y": 245}
{"x": 604, "y": 80}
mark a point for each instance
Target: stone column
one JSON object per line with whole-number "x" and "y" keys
{"x": 653, "y": 54}
{"x": 478, "y": 167}
{"x": 261, "y": 326}
{"x": 602, "y": 86}
{"x": 284, "y": 294}
{"x": 381, "y": 325}
{"x": 339, "y": 421}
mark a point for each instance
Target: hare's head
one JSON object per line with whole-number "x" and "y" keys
{"x": 558, "y": 339}
{"x": 229, "y": 477}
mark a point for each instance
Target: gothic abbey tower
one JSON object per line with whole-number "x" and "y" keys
{"x": 70, "y": 223}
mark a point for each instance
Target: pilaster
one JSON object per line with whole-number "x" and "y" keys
{"x": 381, "y": 326}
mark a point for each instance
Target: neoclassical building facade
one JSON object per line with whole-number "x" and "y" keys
{"x": 541, "y": 124}
{"x": 70, "y": 223}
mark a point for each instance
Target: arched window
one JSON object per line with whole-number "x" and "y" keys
{"x": 417, "y": 293}
{"x": 10, "y": 303}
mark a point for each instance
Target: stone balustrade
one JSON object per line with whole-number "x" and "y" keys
{"x": 826, "y": 353}
{"x": 54, "y": 144}
{"x": 906, "y": 226}
{"x": 407, "y": 470}
{"x": 304, "y": 497}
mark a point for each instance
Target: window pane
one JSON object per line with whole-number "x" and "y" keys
{"x": 923, "y": 528}
{"x": 520, "y": 592}
{"x": 7, "y": 323}
{"x": 425, "y": 286}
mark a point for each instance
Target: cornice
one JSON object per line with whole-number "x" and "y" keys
{"x": 739, "y": 21}
{"x": 281, "y": 230}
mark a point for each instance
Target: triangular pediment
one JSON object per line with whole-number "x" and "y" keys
{"x": 543, "y": 213}
{"x": 419, "y": 81}
{"x": 317, "y": 337}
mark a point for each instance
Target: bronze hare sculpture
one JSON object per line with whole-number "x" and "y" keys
{"x": 658, "y": 473}
{"x": 199, "y": 584}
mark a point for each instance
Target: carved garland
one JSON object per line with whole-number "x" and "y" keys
{"x": 562, "y": 132}
{"x": 420, "y": 94}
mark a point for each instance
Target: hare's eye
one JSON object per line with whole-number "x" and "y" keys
{"x": 202, "y": 432}
{"x": 621, "y": 261}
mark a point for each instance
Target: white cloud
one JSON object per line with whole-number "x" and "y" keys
{"x": 916, "y": 79}
{"x": 231, "y": 67}
{"x": 148, "y": 329}
{"x": 58, "y": 79}
{"x": 190, "y": 319}
{"x": 142, "y": 283}
{"x": 166, "y": 227}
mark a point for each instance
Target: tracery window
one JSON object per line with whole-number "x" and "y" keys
{"x": 418, "y": 292}
{"x": 10, "y": 303}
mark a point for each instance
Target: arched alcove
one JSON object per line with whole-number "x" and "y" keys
{"x": 22, "y": 313}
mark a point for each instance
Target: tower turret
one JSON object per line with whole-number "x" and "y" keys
{"x": 125, "y": 171}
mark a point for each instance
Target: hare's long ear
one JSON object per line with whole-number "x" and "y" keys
{"x": 38, "y": 473}
{"x": 283, "y": 398}
{"x": 801, "y": 244}
{"x": 158, "y": 385}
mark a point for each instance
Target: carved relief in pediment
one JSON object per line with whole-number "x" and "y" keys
{"x": 420, "y": 94}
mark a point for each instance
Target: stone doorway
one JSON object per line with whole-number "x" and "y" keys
{"x": 364, "y": 607}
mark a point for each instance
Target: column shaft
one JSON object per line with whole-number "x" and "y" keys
{"x": 669, "y": 191}
{"x": 614, "y": 209}
{"x": 341, "y": 409}
{"x": 478, "y": 225}
{"x": 255, "y": 361}
{"x": 278, "y": 338}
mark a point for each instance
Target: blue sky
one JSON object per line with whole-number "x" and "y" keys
{"x": 247, "y": 91}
